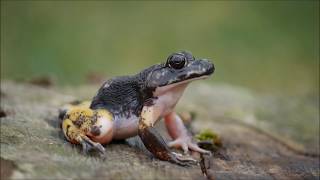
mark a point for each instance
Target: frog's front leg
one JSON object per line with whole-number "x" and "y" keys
{"x": 154, "y": 142}
{"x": 179, "y": 134}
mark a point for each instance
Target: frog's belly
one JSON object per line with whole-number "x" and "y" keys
{"x": 125, "y": 127}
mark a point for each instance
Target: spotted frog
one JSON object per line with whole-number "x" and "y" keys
{"x": 130, "y": 106}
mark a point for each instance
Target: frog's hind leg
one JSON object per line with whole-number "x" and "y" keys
{"x": 77, "y": 123}
{"x": 76, "y": 136}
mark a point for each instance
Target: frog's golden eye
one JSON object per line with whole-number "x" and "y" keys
{"x": 176, "y": 61}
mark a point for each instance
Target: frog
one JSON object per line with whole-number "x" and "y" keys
{"x": 131, "y": 105}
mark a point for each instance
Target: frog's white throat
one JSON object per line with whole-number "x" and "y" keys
{"x": 168, "y": 96}
{"x": 179, "y": 86}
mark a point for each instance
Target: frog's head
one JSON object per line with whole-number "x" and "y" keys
{"x": 180, "y": 68}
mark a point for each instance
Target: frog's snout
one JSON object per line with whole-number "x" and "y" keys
{"x": 208, "y": 65}
{"x": 211, "y": 67}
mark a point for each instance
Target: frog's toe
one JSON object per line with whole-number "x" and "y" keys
{"x": 183, "y": 160}
{"x": 88, "y": 145}
{"x": 185, "y": 144}
{"x": 196, "y": 148}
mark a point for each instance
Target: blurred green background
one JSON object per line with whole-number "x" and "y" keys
{"x": 270, "y": 47}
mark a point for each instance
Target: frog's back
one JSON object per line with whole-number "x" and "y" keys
{"x": 120, "y": 96}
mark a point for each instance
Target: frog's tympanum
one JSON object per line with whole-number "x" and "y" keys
{"x": 130, "y": 105}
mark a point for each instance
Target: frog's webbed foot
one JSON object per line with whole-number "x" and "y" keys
{"x": 182, "y": 160}
{"x": 88, "y": 145}
{"x": 185, "y": 143}
{"x": 185, "y": 159}
{"x": 179, "y": 133}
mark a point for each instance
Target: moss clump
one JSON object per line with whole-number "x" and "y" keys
{"x": 206, "y": 134}
{"x": 209, "y": 136}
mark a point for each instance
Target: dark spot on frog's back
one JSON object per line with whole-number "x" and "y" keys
{"x": 95, "y": 130}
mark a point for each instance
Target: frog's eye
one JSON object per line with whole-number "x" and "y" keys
{"x": 176, "y": 61}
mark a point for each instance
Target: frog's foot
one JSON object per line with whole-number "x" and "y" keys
{"x": 179, "y": 133}
{"x": 88, "y": 145}
{"x": 185, "y": 143}
{"x": 186, "y": 160}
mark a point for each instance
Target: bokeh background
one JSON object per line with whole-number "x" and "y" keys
{"x": 268, "y": 48}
